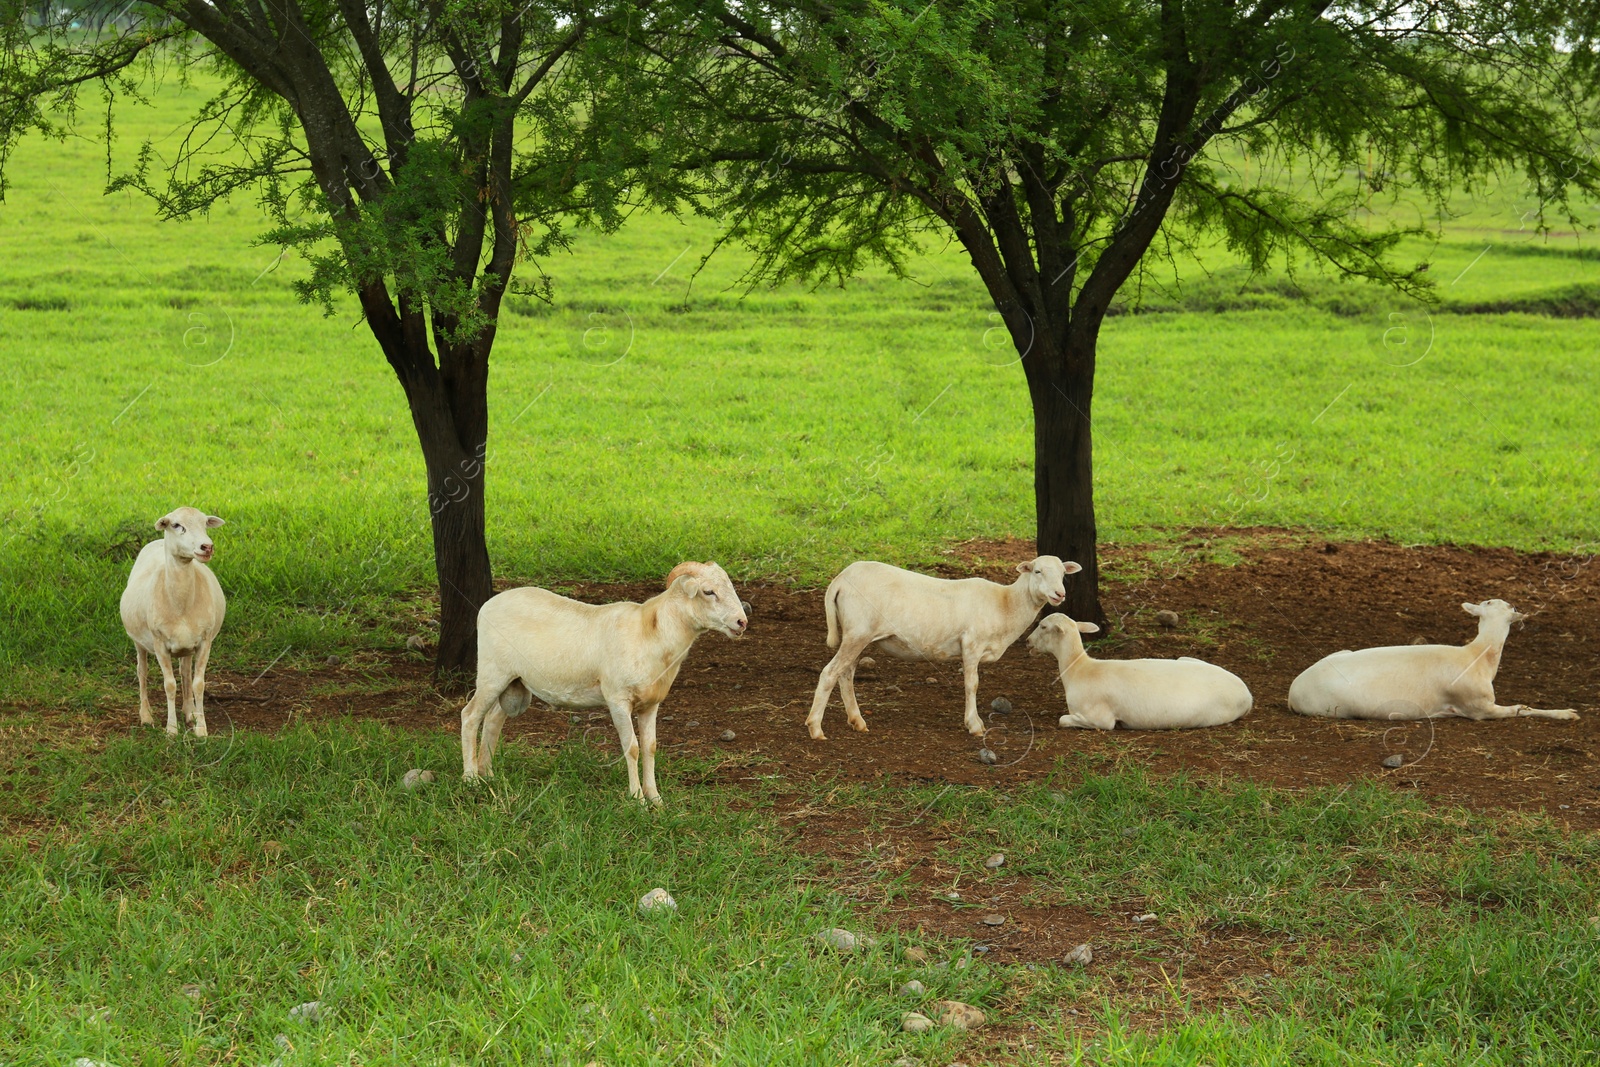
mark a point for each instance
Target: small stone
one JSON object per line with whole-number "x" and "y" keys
{"x": 84, "y": 1061}
{"x": 1147, "y": 917}
{"x": 727, "y": 735}
{"x": 192, "y": 991}
{"x": 310, "y": 1013}
{"x": 272, "y": 848}
{"x": 841, "y": 940}
{"x": 913, "y": 988}
{"x": 1129, "y": 831}
{"x": 1082, "y": 955}
{"x": 516, "y": 957}
{"x": 1168, "y": 619}
{"x": 577, "y": 718}
{"x": 958, "y": 1016}
{"x": 914, "y": 1022}
{"x": 1394, "y": 761}
{"x": 657, "y": 900}
{"x": 692, "y": 722}
{"x": 994, "y": 919}
{"x": 952, "y": 895}
{"x": 905, "y": 1061}
{"x": 416, "y": 644}
{"x": 415, "y": 779}
{"x": 996, "y": 860}
{"x": 983, "y": 950}
{"x": 1420, "y": 641}
{"x": 986, "y": 755}
{"x": 931, "y": 680}
{"x": 1000, "y": 706}
{"x": 866, "y": 663}
{"x": 916, "y": 955}
{"x": 331, "y": 661}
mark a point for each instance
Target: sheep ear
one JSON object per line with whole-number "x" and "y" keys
{"x": 1472, "y": 609}
{"x": 1517, "y": 616}
{"x": 1071, "y": 567}
{"x": 1024, "y": 568}
{"x": 212, "y": 522}
{"x": 163, "y": 522}
{"x": 1088, "y": 628}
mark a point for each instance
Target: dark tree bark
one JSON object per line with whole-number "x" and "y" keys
{"x": 1062, "y": 392}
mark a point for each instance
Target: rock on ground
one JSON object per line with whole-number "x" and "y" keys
{"x": 657, "y": 899}
{"x": 415, "y": 778}
{"x": 1082, "y": 955}
{"x": 914, "y": 1022}
{"x": 842, "y": 940}
{"x": 959, "y": 1016}
{"x": 310, "y": 1013}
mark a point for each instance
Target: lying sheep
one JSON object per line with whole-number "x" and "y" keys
{"x": 533, "y": 643}
{"x": 173, "y": 609}
{"x": 1406, "y": 682}
{"x": 1141, "y": 694}
{"x": 915, "y": 617}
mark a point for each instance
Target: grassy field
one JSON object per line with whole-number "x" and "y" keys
{"x": 169, "y": 903}
{"x": 643, "y": 420}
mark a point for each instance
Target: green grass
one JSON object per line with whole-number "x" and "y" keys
{"x": 642, "y": 420}
{"x": 496, "y": 925}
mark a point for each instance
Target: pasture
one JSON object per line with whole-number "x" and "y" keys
{"x": 1289, "y": 463}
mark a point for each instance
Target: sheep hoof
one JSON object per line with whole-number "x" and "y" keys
{"x": 860, "y": 725}
{"x": 172, "y": 731}
{"x": 818, "y": 735}
{"x": 200, "y": 731}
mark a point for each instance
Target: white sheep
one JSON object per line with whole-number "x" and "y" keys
{"x": 1141, "y": 694}
{"x": 173, "y": 609}
{"x": 1406, "y": 682}
{"x": 623, "y": 656}
{"x": 916, "y": 617}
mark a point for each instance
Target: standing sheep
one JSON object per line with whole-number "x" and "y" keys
{"x": 913, "y": 616}
{"x": 173, "y": 609}
{"x": 1141, "y": 694}
{"x": 1401, "y": 683}
{"x": 625, "y": 657}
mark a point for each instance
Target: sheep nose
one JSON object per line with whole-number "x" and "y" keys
{"x": 206, "y": 547}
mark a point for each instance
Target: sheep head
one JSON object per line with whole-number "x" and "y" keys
{"x": 709, "y": 594}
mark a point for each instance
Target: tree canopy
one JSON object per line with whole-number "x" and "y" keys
{"x": 1069, "y": 144}
{"x": 414, "y": 152}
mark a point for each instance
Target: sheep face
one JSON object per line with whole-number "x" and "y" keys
{"x": 1046, "y": 576}
{"x": 1058, "y": 636}
{"x": 713, "y": 603}
{"x": 1489, "y": 609}
{"x": 185, "y": 531}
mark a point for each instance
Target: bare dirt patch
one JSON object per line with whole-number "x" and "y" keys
{"x": 1288, "y": 603}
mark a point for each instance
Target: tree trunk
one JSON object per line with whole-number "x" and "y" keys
{"x": 1062, "y": 390}
{"x": 460, "y": 556}
{"x": 450, "y": 416}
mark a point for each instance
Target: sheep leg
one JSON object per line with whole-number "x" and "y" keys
{"x": 622, "y": 719}
{"x": 185, "y": 687}
{"x": 514, "y": 700}
{"x": 969, "y": 675}
{"x": 1481, "y": 711}
{"x": 1088, "y": 720}
{"x": 647, "y": 753}
{"x": 850, "y": 650}
{"x": 171, "y": 685}
{"x": 197, "y": 705}
{"x": 146, "y": 717}
{"x": 847, "y": 691}
{"x": 471, "y": 722}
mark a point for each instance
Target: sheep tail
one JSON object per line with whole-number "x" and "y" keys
{"x": 830, "y": 606}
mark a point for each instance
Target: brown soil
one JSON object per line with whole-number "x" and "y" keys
{"x": 1288, "y": 603}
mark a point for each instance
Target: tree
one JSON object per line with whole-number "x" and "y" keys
{"x": 413, "y": 151}
{"x": 1064, "y": 143}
